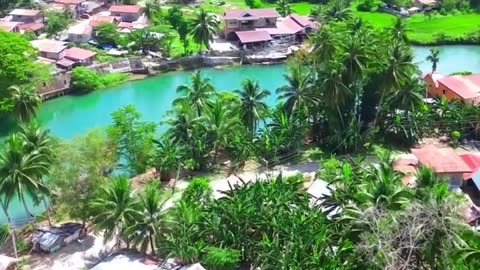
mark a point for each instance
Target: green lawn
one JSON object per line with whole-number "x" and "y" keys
{"x": 377, "y": 19}
{"x": 302, "y": 8}
{"x": 422, "y": 29}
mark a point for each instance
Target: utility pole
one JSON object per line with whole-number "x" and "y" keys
{"x": 12, "y": 231}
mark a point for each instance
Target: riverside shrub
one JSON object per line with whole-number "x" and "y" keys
{"x": 86, "y": 80}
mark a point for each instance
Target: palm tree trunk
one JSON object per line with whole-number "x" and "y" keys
{"x": 215, "y": 153}
{"x": 5, "y": 210}
{"x": 152, "y": 246}
{"x": 22, "y": 198}
{"x": 11, "y": 226}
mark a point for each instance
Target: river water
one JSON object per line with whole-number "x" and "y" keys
{"x": 70, "y": 116}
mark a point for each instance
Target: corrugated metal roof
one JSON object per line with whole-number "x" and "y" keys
{"x": 441, "y": 160}
{"x": 251, "y": 13}
{"x": 253, "y": 36}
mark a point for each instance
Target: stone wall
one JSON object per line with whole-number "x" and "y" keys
{"x": 192, "y": 62}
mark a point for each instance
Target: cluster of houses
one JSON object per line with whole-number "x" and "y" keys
{"x": 262, "y": 27}
{"x": 465, "y": 88}
{"x": 58, "y": 53}
{"x": 89, "y": 14}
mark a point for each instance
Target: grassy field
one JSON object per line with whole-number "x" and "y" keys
{"x": 422, "y": 29}
{"x": 380, "y": 20}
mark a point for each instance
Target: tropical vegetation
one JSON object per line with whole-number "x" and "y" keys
{"x": 357, "y": 88}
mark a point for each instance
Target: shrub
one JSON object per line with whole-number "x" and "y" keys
{"x": 368, "y": 5}
{"x": 198, "y": 191}
{"x": 254, "y": 3}
{"x": 221, "y": 258}
{"x": 85, "y": 80}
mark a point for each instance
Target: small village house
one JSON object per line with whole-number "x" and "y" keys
{"x": 248, "y": 20}
{"x": 89, "y": 7}
{"x": 50, "y": 49}
{"x": 51, "y": 239}
{"x": 465, "y": 88}
{"x": 80, "y": 56}
{"x": 26, "y": 16}
{"x": 252, "y": 39}
{"x": 426, "y": 4}
{"x": 36, "y": 28}
{"x": 80, "y": 33}
{"x": 128, "y": 13}
{"x": 98, "y": 20}
{"x": 256, "y": 27}
{"x": 444, "y": 162}
{"x": 126, "y": 27}
{"x": 74, "y": 6}
{"x": 10, "y": 26}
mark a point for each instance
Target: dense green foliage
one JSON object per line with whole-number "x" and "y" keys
{"x": 86, "y": 80}
{"x": 56, "y": 22}
{"x": 16, "y": 63}
{"x": 80, "y": 168}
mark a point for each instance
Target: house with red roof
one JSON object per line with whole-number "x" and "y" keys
{"x": 444, "y": 162}
{"x": 462, "y": 87}
{"x": 258, "y": 26}
{"x": 80, "y": 56}
{"x": 98, "y": 20}
{"x": 471, "y": 184}
{"x": 128, "y": 13}
{"x": 10, "y": 26}
{"x": 36, "y": 28}
{"x": 248, "y": 20}
{"x": 26, "y": 15}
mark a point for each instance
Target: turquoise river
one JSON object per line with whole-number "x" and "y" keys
{"x": 70, "y": 116}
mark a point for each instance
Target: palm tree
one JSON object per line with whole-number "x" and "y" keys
{"x": 24, "y": 101}
{"x": 205, "y": 27}
{"x": 324, "y": 42}
{"x": 220, "y": 125}
{"x": 21, "y": 172}
{"x": 298, "y": 93}
{"x": 37, "y": 139}
{"x": 150, "y": 217}
{"x": 384, "y": 187}
{"x": 355, "y": 58}
{"x": 151, "y": 8}
{"x": 399, "y": 29}
{"x": 335, "y": 92}
{"x": 183, "y": 29}
{"x": 40, "y": 141}
{"x": 434, "y": 58}
{"x": 252, "y": 105}
{"x": 199, "y": 94}
{"x": 166, "y": 158}
{"x": 115, "y": 209}
{"x": 398, "y": 70}
{"x": 181, "y": 119}
{"x": 283, "y": 7}
{"x": 408, "y": 98}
